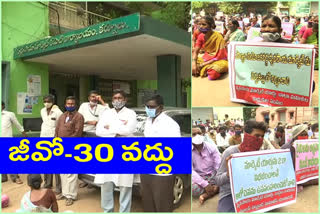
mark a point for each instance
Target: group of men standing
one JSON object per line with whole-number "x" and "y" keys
{"x": 95, "y": 118}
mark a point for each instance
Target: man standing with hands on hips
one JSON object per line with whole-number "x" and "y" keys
{"x": 157, "y": 190}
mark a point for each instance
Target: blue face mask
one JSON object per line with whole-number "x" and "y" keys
{"x": 204, "y": 30}
{"x": 238, "y": 132}
{"x": 70, "y": 109}
{"x": 151, "y": 112}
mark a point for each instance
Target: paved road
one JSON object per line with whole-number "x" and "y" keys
{"x": 307, "y": 202}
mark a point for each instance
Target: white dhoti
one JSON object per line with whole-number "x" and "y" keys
{"x": 69, "y": 183}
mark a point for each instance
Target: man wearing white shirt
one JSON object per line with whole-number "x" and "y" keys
{"x": 222, "y": 139}
{"x": 50, "y": 115}
{"x": 117, "y": 122}
{"x": 7, "y": 119}
{"x": 157, "y": 190}
{"x": 91, "y": 111}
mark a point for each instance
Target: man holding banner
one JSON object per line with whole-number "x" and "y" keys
{"x": 252, "y": 141}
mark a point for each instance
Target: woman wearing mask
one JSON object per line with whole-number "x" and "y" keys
{"x": 310, "y": 36}
{"x": 304, "y": 28}
{"x": 271, "y": 29}
{"x": 211, "y": 61}
{"x": 271, "y": 32}
{"x": 234, "y": 33}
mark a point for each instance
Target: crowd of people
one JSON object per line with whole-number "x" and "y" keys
{"x": 213, "y": 145}
{"x": 209, "y": 47}
{"x": 96, "y": 118}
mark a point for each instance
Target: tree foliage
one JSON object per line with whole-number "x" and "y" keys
{"x": 198, "y": 5}
{"x": 174, "y": 13}
{"x": 249, "y": 113}
{"x": 230, "y": 7}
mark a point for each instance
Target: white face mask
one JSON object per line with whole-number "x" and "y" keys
{"x": 48, "y": 105}
{"x": 269, "y": 37}
{"x": 316, "y": 135}
{"x": 198, "y": 139}
{"x": 93, "y": 103}
{"x": 117, "y": 104}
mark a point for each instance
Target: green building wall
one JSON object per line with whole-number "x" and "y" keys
{"x": 23, "y": 22}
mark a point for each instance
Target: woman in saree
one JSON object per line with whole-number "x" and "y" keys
{"x": 38, "y": 199}
{"x": 310, "y": 36}
{"x": 209, "y": 57}
{"x": 234, "y": 33}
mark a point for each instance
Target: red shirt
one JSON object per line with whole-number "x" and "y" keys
{"x": 308, "y": 32}
{"x": 200, "y": 41}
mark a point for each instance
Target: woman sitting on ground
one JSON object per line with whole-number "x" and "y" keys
{"x": 209, "y": 57}
{"x": 38, "y": 199}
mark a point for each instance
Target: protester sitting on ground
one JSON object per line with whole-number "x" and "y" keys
{"x": 222, "y": 139}
{"x": 252, "y": 141}
{"x": 304, "y": 28}
{"x": 38, "y": 199}
{"x": 238, "y": 137}
{"x": 207, "y": 138}
{"x": 212, "y": 134}
{"x": 271, "y": 32}
{"x": 310, "y": 36}
{"x": 271, "y": 29}
{"x": 213, "y": 62}
{"x": 299, "y": 132}
{"x": 205, "y": 163}
{"x": 231, "y": 131}
{"x": 298, "y": 26}
{"x": 277, "y": 138}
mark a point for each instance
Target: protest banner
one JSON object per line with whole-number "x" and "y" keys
{"x": 269, "y": 180}
{"x": 219, "y": 26}
{"x": 271, "y": 74}
{"x": 306, "y": 160}
{"x": 253, "y": 33}
{"x": 287, "y": 30}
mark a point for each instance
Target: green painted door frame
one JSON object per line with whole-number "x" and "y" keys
{"x": 169, "y": 79}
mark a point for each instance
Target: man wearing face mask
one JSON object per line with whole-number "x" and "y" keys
{"x": 238, "y": 137}
{"x": 205, "y": 163}
{"x": 252, "y": 141}
{"x": 207, "y": 137}
{"x": 91, "y": 111}
{"x": 50, "y": 115}
{"x": 119, "y": 121}
{"x": 157, "y": 190}
{"x": 70, "y": 124}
